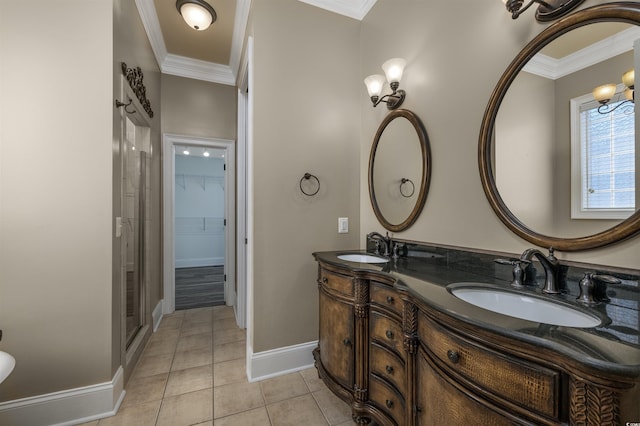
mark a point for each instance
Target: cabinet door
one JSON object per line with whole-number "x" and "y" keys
{"x": 337, "y": 339}
{"x": 440, "y": 402}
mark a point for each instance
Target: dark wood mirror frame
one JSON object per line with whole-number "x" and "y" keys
{"x": 426, "y": 169}
{"x": 628, "y": 12}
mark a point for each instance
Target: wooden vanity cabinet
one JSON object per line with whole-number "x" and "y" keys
{"x": 481, "y": 381}
{"x": 336, "y": 340}
{"x": 387, "y": 357}
{"x": 441, "y": 402}
{"x": 399, "y": 361}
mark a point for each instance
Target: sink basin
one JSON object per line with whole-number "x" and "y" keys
{"x": 523, "y": 306}
{"x": 362, "y": 258}
{"x": 7, "y": 362}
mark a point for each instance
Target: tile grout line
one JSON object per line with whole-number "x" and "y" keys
{"x": 173, "y": 357}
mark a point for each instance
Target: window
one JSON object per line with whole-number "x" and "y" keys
{"x": 603, "y": 160}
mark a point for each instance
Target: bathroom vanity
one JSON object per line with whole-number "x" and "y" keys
{"x": 402, "y": 350}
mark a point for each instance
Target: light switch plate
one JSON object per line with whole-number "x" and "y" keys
{"x": 343, "y": 225}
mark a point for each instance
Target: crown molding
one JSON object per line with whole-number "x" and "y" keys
{"x": 617, "y": 44}
{"x": 239, "y": 30}
{"x": 356, "y": 9}
{"x": 199, "y": 70}
{"x": 149, "y": 17}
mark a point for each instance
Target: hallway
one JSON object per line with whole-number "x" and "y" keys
{"x": 192, "y": 372}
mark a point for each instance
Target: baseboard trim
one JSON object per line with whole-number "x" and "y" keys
{"x": 276, "y": 362}
{"x": 157, "y": 314}
{"x": 68, "y": 407}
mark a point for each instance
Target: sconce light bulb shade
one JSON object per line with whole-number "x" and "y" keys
{"x": 604, "y": 93}
{"x": 198, "y": 14}
{"x": 374, "y": 84}
{"x": 628, "y": 78}
{"x": 393, "y": 69}
{"x": 629, "y": 94}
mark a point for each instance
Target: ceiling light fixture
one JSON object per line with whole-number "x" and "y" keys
{"x": 206, "y": 153}
{"x": 198, "y": 14}
{"x": 185, "y": 152}
{"x": 393, "y": 69}
{"x": 603, "y": 94}
{"x": 547, "y": 10}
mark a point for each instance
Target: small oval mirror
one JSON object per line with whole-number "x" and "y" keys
{"x": 399, "y": 170}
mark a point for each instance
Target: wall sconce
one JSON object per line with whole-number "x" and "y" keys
{"x": 198, "y": 14}
{"x": 603, "y": 94}
{"x": 393, "y": 69}
{"x": 547, "y": 10}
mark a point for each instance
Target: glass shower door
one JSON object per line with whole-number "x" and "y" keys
{"x": 134, "y": 230}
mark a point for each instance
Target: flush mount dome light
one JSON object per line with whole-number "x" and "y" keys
{"x": 198, "y": 14}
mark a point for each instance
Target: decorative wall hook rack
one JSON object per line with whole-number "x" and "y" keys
{"x": 135, "y": 78}
{"x": 307, "y": 177}
{"x": 122, "y": 104}
{"x": 406, "y": 192}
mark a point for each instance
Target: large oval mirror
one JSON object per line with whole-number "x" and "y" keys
{"x": 399, "y": 170}
{"x": 547, "y": 156}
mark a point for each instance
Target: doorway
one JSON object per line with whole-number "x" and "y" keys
{"x": 199, "y": 222}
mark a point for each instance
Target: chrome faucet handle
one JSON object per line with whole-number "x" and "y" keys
{"x": 552, "y": 257}
{"x": 518, "y": 270}
{"x": 588, "y": 286}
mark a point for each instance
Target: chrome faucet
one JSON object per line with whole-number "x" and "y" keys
{"x": 379, "y": 238}
{"x": 550, "y": 264}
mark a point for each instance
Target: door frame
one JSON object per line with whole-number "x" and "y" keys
{"x": 169, "y": 142}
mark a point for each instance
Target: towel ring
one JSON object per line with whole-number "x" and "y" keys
{"x": 308, "y": 176}
{"x": 413, "y": 187}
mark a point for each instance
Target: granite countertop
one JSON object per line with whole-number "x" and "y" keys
{"x": 614, "y": 346}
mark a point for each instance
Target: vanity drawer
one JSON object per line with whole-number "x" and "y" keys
{"x": 385, "y": 296}
{"x": 339, "y": 283}
{"x": 386, "y": 331}
{"x": 387, "y": 399}
{"x": 387, "y": 365}
{"x": 533, "y": 387}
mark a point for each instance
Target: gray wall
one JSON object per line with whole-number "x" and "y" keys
{"x": 454, "y": 61}
{"x": 306, "y": 92}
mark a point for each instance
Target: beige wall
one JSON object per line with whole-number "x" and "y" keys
{"x": 523, "y": 147}
{"x": 306, "y": 92}
{"x": 454, "y": 61}
{"x": 198, "y": 108}
{"x": 55, "y": 194}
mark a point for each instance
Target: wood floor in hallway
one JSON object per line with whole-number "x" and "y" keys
{"x": 199, "y": 287}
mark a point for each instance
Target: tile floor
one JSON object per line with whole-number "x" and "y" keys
{"x": 192, "y": 372}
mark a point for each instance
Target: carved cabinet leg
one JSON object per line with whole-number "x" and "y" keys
{"x": 593, "y": 405}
